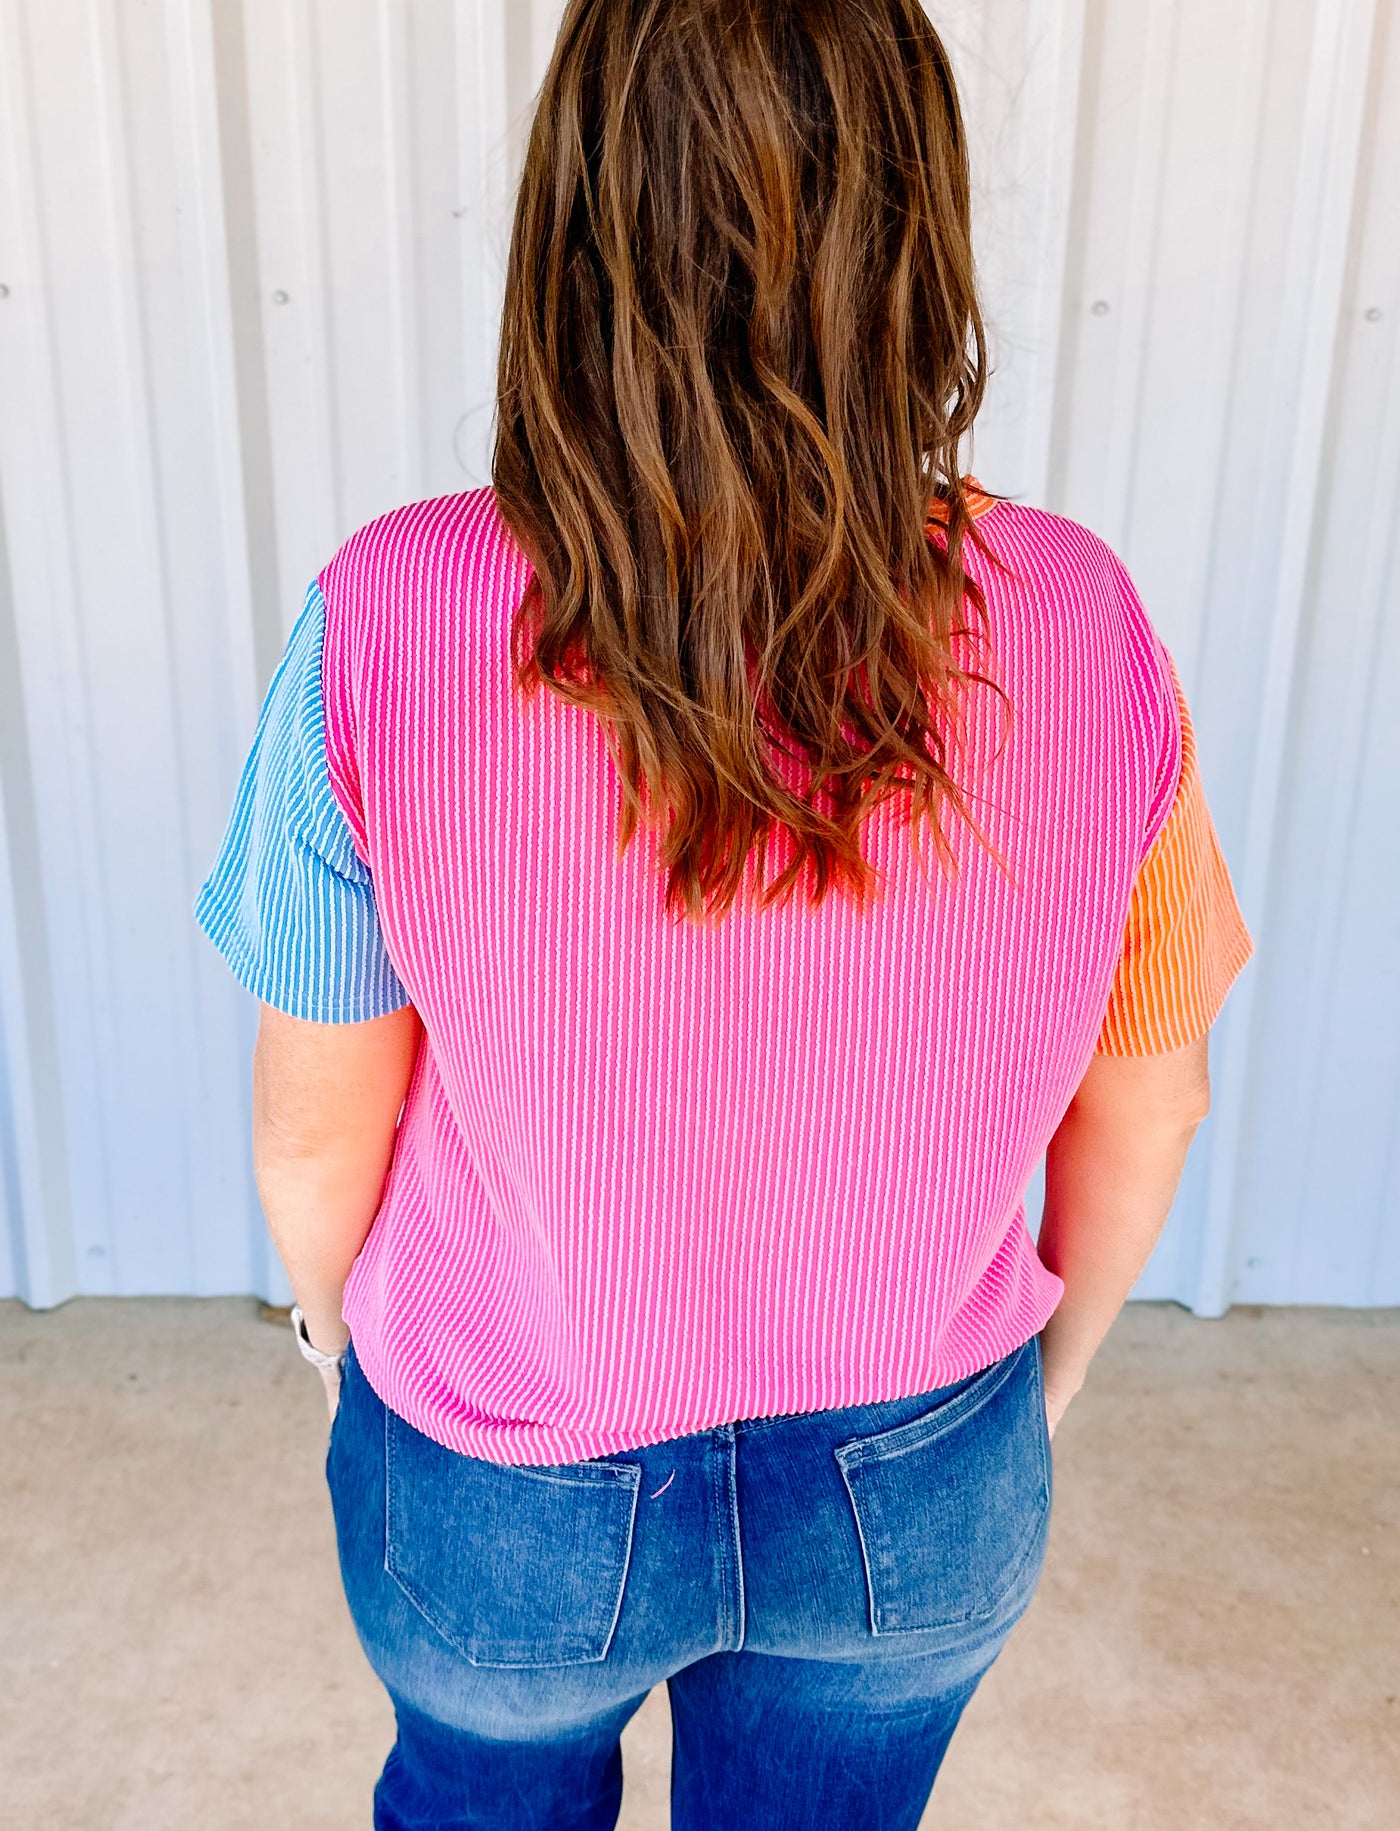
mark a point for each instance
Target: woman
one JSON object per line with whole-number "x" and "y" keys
{"x": 690, "y": 885}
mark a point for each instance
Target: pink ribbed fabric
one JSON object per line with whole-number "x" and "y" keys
{"x": 652, "y": 1177}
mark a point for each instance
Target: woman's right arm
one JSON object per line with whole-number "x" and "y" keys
{"x": 1110, "y": 1176}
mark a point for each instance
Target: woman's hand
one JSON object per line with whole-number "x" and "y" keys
{"x": 1060, "y": 1377}
{"x": 330, "y": 1379}
{"x": 1057, "y": 1402}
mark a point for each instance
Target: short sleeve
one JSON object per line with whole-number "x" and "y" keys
{"x": 1185, "y": 940}
{"x": 289, "y": 902}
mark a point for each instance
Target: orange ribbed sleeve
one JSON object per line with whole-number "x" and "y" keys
{"x": 1185, "y": 939}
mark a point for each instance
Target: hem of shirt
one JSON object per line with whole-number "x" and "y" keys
{"x": 1166, "y": 1039}
{"x": 520, "y": 1440}
{"x": 256, "y": 976}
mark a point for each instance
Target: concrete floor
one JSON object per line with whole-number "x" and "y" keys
{"x": 1216, "y": 1643}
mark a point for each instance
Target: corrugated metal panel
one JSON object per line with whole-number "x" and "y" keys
{"x": 251, "y": 257}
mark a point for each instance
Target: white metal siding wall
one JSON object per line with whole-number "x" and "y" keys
{"x": 251, "y": 256}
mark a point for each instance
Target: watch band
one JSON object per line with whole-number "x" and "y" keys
{"x": 309, "y": 1352}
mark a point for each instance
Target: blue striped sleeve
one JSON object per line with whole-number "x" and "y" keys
{"x": 289, "y": 902}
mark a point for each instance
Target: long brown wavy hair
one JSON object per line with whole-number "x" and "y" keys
{"x": 741, "y": 347}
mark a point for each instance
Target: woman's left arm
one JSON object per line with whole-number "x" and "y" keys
{"x": 326, "y": 1104}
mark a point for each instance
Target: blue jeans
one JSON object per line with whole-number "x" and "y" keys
{"x": 821, "y": 1593}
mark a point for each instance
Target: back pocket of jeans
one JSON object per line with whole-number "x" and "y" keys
{"x": 512, "y": 1566}
{"x": 952, "y": 1508}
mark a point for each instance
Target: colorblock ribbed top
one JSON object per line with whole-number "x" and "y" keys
{"x": 651, "y": 1176}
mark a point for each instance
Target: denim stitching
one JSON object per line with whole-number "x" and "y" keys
{"x": 722, "y": 1444}
{"x": 845, "y": 1461}
{"x": 628, "y": 1537}
{"x": 931, "y": 1424}
{"x": 748, "y": 1425}
{"x": 627, "y": 1474}
{"x": 975, "y": 1618}
{"x": 721, "y": 1550}
{"x": 1047, "y": 1464}
{"x": 388, "y": 1487}
{"x": 738, "y": 1539}
{"x": 871, "y": 1608}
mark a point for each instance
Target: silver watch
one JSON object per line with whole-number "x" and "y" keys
{"x": 309, "y": 1351}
